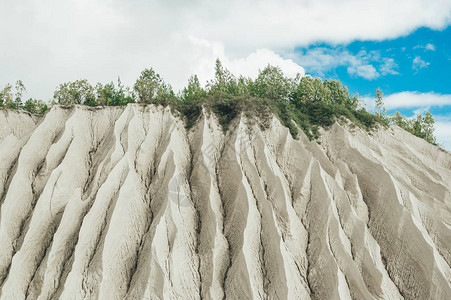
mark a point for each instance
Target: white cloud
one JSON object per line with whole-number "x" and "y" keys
{"x": 47, "y": 42}
{"x": 416, "y": 100}
{"x": 368, "y": 65}
{"x": 443, "y": 133}
{"x": 248, "y": 66}
{"x": 419, "y": 103}
{"x": 418, "y": 63}
{"x": 388, "y": 67}
{"x": 430, "y": 47}
{"x": 365, "y": 71}
{"x": 269, "y": 23}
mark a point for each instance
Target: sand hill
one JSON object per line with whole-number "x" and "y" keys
{"x": 124, "y": 203}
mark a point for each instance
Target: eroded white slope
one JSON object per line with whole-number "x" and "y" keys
{"x": 124, "y": 203}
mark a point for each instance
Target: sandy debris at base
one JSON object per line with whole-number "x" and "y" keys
{"x": 124, "y": 203}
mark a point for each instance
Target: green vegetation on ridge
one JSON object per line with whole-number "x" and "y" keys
{"x": 301, "y": 102}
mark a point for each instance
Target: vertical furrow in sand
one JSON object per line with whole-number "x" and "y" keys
{"x": 390, "y": 221}
{"x": 324, "y": 273}
{"x": 17, "y": 123}
{"x": 266, "y": 254}
{"x": 109, "y": 172}
{"x": 294, "y": 159}
{"x": 19, "y": 199}
{"x": 244, "y": 276}
{"x": 340, "y": 244}
{"x": 148, "y": 156}
{"x": 15, "y": 130}
{"x": 59, "y": 260}
{"x": 284, "y": 233}
{"x": 421, "y": 174}
{"x": 294, "y": 163}
{"x": 8, "y": 166}
{"x": 10, "y": 149}
{"x": 158, "y": 128}
{"x": 171, "y": 230}
{"x": 85, "y": 275}
{"x": 128, "y": 222}
{"x": 358, "y": 252}
{"x": 129, "y": 219}
{"x": 125, "y": 204}
{"x": 211, "y": 244}
{"x": 154, "y": 123}
{"x": 51, "y": 203}
{"x": 62, "y": 248}
{"x": 173, "y": 223}
{"x": 180, "y": 217}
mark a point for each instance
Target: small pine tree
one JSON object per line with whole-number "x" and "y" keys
{"x": 20, "y": 89}
{"x": 380, "y": 104}
{"x": 193, "y": 92}
{"x": 7, "y": 97}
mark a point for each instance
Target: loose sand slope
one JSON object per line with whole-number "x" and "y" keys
{"x": 123, "y": 203}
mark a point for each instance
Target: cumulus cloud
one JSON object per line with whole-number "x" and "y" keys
{"x": 368, "y": 65}
{"x": 293, "y": 22}
{"x": 248, "y": 66}
{"x": 365, "y": 71}
{"x": 430, "y": 47}
{"x": 47, "y": 42}
{"x": 418, "y": 63}
{"x": 416, "y": 100}
{"x": 443, "y": 132}
{"x": 388, "y": 66}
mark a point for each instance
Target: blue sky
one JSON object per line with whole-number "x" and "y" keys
{"x": 429, "y": 46}
{"x": 416, "y": 66}
{"x": 401, "y": 46}
{"x": 420, "y": 61}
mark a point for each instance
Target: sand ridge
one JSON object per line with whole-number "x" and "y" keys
{"x": 124, "y": 203}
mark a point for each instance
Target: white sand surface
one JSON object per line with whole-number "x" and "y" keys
{"x": 124, "y": 203}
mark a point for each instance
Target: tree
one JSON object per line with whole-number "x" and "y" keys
{"x": 339, "y": 93}
{"x": 6, "y": 97}
{"x": 400, "y": 120}
{"x": 423, "y": 127}
{"x": 419, "y": 126}
{"x": 428, "y": 128}
{"x": 224, "y": 81}
{"x": 20, "y": 89}
{"x": 243, "y": 86}
{"x": 380, "y": 104}
{"x": 30, "y": 106}
{"x": 354, "y": 102}
{"x": 122, "y": 95}
{"x": 149, "y": 88}
{"x": 76, "y": 92}
{"x": 35, "y": 106}
{"x": 193, "y": 92}
{"x": 105, "y": 93}
{"x": 272, "y": 84}
{"x": 311, "y": 90}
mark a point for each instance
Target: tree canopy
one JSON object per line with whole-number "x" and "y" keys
{"x": 303, "y": 102}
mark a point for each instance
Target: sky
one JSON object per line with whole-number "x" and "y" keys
{"x": 402, "y": 47}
